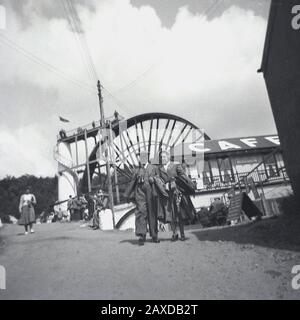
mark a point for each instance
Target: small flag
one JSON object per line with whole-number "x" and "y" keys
{"x": 63, "y": 119}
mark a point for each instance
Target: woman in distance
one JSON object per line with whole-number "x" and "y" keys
{"x": 26, "y": 208}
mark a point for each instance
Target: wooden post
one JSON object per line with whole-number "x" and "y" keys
{"x": 100, "y": 152}
{"x": 76, "y": 148}
{"x": 87, "y": 161}
{"x": 102, "y": 125}
{"x": 262, "y": 195}
{"x": 113, "y": 157}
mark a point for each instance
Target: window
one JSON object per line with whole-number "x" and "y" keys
{"x": 271, "y": 167}
{"x": 225, "y": 169}
{"x": 206, "y": 173}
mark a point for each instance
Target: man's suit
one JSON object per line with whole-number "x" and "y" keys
{"x": 179, "y": 207}
{"x": 145, "y": 196}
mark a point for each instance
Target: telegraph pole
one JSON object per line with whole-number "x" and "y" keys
{"x": 102, "y": 121}
{"x": 113, "y": 157}
{"x": 102, "y": 125}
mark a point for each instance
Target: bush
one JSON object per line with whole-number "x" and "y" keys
{"x": 11, "y": 189}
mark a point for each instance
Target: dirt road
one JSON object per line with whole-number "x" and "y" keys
{"x": 65, "y": 261}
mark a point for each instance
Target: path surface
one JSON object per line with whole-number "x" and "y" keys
{"x": 64, "y": 261}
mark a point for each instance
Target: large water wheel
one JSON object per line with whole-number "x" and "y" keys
{"x": 149, "y": 132}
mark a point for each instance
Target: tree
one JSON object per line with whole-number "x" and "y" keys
{"x": 11, "y": 188}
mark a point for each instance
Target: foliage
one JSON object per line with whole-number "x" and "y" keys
{"x": 11, "y": 189}
{"x": 101, "y": 183}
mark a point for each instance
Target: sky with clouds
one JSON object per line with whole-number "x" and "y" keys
{"x": 197, "y": 59}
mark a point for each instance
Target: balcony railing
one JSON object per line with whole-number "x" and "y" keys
{"x": 238, "y": 180}
{"x": 264, "y": 174}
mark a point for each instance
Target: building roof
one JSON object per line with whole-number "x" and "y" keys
{"x": 274, "y": 7}
{"x": 227, "y": 145}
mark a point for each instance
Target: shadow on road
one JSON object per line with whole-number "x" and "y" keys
{"x": 136, "y": 243}
{"x": 279, "y": 233}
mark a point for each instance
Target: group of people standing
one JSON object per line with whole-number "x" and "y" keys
{"x": 161, "y": 193}
{"x": 76, "y": 207}
{"x": 88, "y": 207}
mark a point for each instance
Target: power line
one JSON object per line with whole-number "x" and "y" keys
{"x": 75, "y": 24}
{"x": 212, "y": 8}
{"x": 75, "y": 27}
{"x": 82, "y": 37}
{"x": 29, "y": 55}
{"x": 49, "y": 67}
{"x": 118, "y": 102}
{"x": 133, "y": 82}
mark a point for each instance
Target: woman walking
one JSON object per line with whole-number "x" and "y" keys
{"x": 26, "y": 208}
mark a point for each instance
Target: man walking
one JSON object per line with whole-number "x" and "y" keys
{"x": 179, "y": 207}
{"x": 145, "y": 196}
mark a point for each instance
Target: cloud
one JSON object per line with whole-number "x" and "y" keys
{"x": 167, "y": 10}
{"x": 203, "y": 70}
{"x": 25, "y": 151}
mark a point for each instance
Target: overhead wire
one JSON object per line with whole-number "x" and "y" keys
{"x": 83, "y": 40}
{"x": 212, "y": 8}
{"x": 75, "y": 24}
{"x": 88, "y": 62}
{"x": 76, "y": 30}
{"x": 117, "y": 101}
{"x": 34, "y": 58}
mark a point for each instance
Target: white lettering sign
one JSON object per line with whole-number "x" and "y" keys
{"x": 224, "y": 145}
{"x": 198, "y": 147}
{"x": 251, "y": 142}
{"x": 274, "y": 139}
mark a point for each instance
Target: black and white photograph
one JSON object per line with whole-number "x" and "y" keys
{"x": 149, "y": 150}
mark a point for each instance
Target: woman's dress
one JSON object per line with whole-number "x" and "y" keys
{"x": 27, "y": 210}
